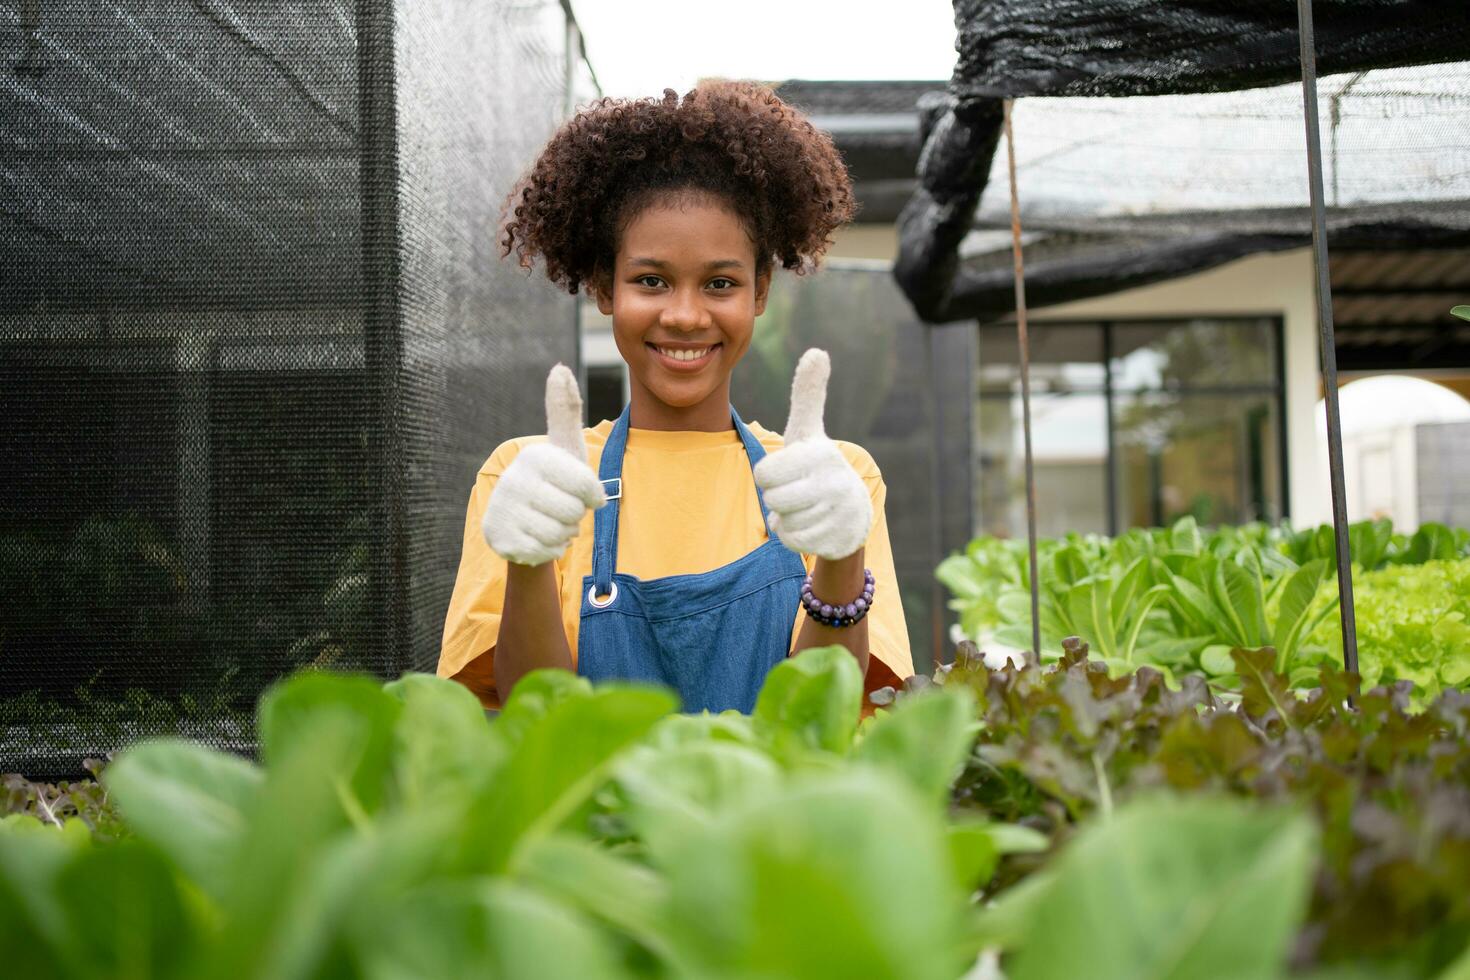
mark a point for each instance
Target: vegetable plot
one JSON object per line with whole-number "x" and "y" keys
{"x": 1020, "y": 821}
{"x": 391, "y": 831}
{"x": 1183, "y": 599}
{"x": 1068, "y": 749}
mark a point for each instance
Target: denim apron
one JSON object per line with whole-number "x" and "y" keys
{"x": 713, "y": 636}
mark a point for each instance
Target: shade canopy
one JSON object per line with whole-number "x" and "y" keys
{"x": 1155, "y": 140}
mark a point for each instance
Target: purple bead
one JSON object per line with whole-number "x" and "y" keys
{"x": 860, "y": 605}
{"x": 868, "y": 595}
{"x": 826, "y": 611}
{"x": 850, "y": 609}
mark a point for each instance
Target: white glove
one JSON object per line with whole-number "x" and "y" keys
{"x": 817, "y": 501}
{"x": 538, "y": 505}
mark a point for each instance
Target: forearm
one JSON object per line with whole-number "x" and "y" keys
{"x": 837, "y": 581}
{"x": 531, "y": 633}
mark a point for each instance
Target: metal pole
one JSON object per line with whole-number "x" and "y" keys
{"x": 1329, "y": 347}
{"x": 1023, "y": 341}
{"x": 937, "y": 639}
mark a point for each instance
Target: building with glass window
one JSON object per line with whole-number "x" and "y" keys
{"x": 1134, "y": 422}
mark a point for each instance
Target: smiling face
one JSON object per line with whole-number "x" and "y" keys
{"x": 684, "y": 295}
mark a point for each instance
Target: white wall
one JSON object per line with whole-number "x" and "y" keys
{"x": 1259, "y": 285}
{"x": 875, "y": 241}
{"x": 1380, "y": 475}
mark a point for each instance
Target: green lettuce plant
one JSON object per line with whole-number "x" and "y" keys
{"x": 1183, "y": 598}
{"x": 1068, "y": 749}
{"x": 1126, "y": 900}
{"x": 1024, "y": 820}
{"x": 392, "y": 831}
{"x": 1413, "y": 624}
{"x": 1375, "y": 544}
{"x": 82, "y": 807}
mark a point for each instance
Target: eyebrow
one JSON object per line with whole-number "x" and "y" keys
{"x": 644, "y": 262}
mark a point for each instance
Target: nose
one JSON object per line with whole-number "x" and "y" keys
{"x": 684, "y": 311}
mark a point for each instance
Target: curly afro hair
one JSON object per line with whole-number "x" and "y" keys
{"x": 734, "y": 140}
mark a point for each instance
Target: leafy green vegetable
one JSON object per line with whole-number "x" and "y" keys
{"x": 441, "y": 743}
{"x": 84, "y": 801}
{"x": 1183, "y": 598}
{"x": 1413, "y": 624}
{"x": 1065, "y": 746}
{"x": 923, "y": 740}
{"x": 627, "y": 896}
{"x": 1375, "y": 545}
{"x": 290, "y": 713}
{"x": 34, "y": 930}
{"x": 675, "y": 792}
{"x": 126, "y": 913}
{"x": 393, "y": 831}
{"x": 556, "y": 766}
{"x": 812, "y": 701}
{"x": 188, "y": 801}
{"x": 1294, "y": 615}
{"x": 487, "y": 929}
{"x": 816, "y": 880}
{"x": 1077, "y": 819}
{"x": 1173, "y": 888}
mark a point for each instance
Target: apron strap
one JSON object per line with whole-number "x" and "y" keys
{"x": 605, "y": 520}
{"x": 756, "y": 452}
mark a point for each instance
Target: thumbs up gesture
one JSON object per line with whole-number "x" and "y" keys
{"x": 817, "y": 501}
{"x": 541, "y": 498}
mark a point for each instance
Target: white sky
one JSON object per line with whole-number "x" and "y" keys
{"x": 639, "y": 47}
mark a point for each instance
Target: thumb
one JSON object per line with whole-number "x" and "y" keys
{"x": 564, "y": 412}
{"x": 808, "y": 397}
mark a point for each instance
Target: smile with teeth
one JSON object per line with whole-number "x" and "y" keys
{"x": 685, "y": 354}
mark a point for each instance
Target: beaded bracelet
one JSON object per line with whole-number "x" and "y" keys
{"x": 838, "y": 615}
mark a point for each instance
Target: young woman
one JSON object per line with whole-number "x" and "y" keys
{"x": 677, "y": 544}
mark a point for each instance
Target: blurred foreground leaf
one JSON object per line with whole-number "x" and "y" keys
{"x": 1173, "y": 888}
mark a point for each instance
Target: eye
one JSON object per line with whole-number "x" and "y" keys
{"x": 651, "y": 281}
{"x": 720, "y": 282}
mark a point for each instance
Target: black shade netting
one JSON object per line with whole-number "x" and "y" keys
{"x": 1155, "y": 140}
{"x": 1020, "y": 48}
{"x": 255, "y": 340}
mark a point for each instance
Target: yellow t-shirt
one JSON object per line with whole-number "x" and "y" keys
{"x": 688, "y": 506}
